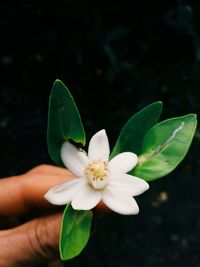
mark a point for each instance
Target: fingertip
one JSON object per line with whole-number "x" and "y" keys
{"x": 101, "y": 209}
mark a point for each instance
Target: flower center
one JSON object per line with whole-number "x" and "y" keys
{"x": 96, "y": 172}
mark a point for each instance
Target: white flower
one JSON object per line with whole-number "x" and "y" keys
{"x": 98, "y": 178}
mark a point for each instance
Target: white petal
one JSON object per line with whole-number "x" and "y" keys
{"x": 73, "y": 158}
{"x": 99, "y": 146}
{"x": 119, "y": 202}
{"x": 63, "y": 193}
{"x": 128, "y": 183}
{"x": 87, "y": 198}
{"x": 123, "y": 162}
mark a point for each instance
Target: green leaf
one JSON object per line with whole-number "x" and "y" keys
{"x": 75, "y": 232}
{"x": 164, "y": 147}
{"x": 64, "y": 121}
{"x": 132, "y": 134}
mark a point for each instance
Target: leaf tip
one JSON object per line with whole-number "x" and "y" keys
{"x": 58, "y": 83}
{"x": 61, "y": 255}
{"x": 193, "y": 117}
{"x": 159, "y": 103}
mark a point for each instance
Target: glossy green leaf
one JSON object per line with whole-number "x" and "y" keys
{"x": 164, "y": 147}
{"x": 64, "y": 121}
{"x": 75, "y": 232}
{"x": 132, "y": 134}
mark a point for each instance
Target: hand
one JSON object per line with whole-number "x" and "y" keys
{"x": 36, "y": 241}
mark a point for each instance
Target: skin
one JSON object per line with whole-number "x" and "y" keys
{"x": 29, "y": 243}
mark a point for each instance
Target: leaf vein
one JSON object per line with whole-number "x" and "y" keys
{"x": 157, "y": 150}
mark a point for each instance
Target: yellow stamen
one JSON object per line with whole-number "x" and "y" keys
{"x": 96, "y": 172}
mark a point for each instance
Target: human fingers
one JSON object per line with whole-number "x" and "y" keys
{"x": 23, "y": 193}
{"x": 49, "y": 169}
{"x": 101, "y": 208}
{"x": 32, "y": 243}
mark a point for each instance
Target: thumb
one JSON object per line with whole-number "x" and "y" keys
{"x": 32, "y": 243}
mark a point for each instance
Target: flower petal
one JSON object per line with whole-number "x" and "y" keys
{"x": 87, "y": 198}
{"x": 123, "y": 162}
{"x": 99, "y": 146}
{"x": 63, "y": 193}
{"x": 128, "y": 184}
{"x": 119, "y": 202}
{"x": 73, "y": 158}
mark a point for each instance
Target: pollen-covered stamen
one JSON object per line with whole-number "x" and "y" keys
{"x": 96, "y": 172}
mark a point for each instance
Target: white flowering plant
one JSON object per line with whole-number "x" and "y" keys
{"x": 144, "y": 151}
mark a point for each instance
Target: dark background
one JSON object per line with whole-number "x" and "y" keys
{"x": 115, "y": 57}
